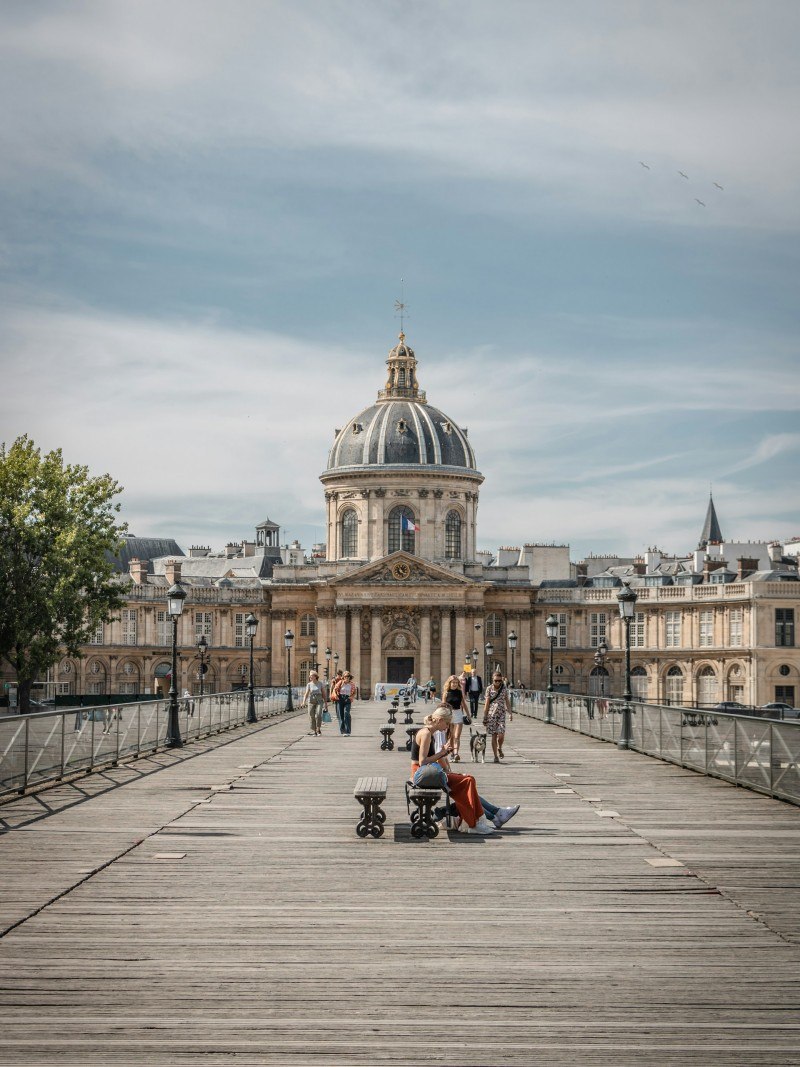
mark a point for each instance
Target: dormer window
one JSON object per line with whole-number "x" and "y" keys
{"x": 447, "y": 427}
{"x": 401, "y": 376}
{"x": 357, "y": 427}
{"x": 401, "y": 426}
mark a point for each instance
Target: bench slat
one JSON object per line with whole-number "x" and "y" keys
{"x": 371, "y": 787}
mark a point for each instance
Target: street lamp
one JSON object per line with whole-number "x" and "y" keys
{"x": 489, "y": 648}
{"x": 312, "y": 648}
{"x": 551, "y": 627}
{"x": 251, "y": 625}
{"x": 328, "y": 663}
{"x": 175, "y": 598}
{"x": 474, "y": 661}
{"x": 512, "y": 644}
{"x": 288, "y": 641}
{"x": 335, "y": 662}
{"x": 600, "y": 664}
{"x": 202, "y": 649}
{"x": 626, "y": 598}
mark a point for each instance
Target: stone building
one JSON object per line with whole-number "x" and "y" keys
{"x": 402, "y": 589}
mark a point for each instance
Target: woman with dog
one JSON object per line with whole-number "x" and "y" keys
{"x": 498, "y": 705}
{"x": 472, "y": 808}
{"x": 453, "y": 697}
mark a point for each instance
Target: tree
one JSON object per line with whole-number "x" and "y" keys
{"x": 58, "y": 537}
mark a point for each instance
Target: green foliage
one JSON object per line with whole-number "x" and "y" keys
{"x": 58, "y": 532}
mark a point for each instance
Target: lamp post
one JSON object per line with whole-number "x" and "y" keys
{"x": 474, "y": 661}
{"x": 312, "y": 648}
{"x": 489, "y": 649}
{"x": 512, "y": 644}
{"x": 626, "y": 598}
{"x": 335, "y": 662}
{"x": 600, "y": 664}
{"x": 202, "y": 649}
{"x": 288, "y": 641}
{"x": 328, "y": 663}
{"x": 551, "y": 627}
{"x": 175, "y": 598}
{"x": 251, "y": 625}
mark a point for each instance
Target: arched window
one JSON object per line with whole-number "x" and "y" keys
{"x": 707, "y": 694}
{"x": 598, "y": 682}
{"x": 493, "y": 626}
{"x": 402, "y": 527}
{"x": 452, "y": 535}
{"x": 349, "y": 534}
{"x": 674, "y": 686}
{"x": 639, "y": 683}
{"x": 401, "y": 377}
{"x": 308, "y": 626}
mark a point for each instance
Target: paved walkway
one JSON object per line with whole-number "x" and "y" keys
{"x": 216, "y": 907}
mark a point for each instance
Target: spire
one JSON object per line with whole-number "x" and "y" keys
{"x": 401, "y": 382}
{"x": 711, "y": 535}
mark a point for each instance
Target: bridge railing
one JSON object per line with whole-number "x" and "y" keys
{"x": 47, "y": 746}
{"x": 760, "y": 754}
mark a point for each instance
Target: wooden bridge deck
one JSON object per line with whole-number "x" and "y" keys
{"x": 216, "y": 907}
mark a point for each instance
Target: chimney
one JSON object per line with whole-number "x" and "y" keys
{"x": 172, "y": 571}
{"x": 639, "y": 567}
{"x": 712, "y": 565}
{"x": 747, "y": 565}
{"x": 138, "y": 569}
{"x": 775, "y": 552}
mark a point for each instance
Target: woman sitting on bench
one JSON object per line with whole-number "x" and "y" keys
{"x": 463, "y": 787}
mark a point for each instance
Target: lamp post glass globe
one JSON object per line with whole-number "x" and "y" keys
{"x": 175, "y": 598}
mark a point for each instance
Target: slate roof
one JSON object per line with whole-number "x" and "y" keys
{"x": 145, "y": 548}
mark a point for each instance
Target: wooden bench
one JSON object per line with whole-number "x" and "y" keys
{"x": 387, "y": 744}
{"x": 371, "y": 793}
{"x": 421, "y": 803}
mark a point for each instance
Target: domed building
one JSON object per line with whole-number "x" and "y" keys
{"x": 401, "y": 476}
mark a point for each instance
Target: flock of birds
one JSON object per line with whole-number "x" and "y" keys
{"x": 686, "y": 176}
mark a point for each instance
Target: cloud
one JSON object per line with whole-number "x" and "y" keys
{"x": 768, "y": 449}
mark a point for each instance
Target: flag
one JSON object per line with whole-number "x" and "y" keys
{"x": 409, "y": 526}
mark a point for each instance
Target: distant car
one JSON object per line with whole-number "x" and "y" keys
{"x": 730, "y": 705}
{"x": 783, "y": 710}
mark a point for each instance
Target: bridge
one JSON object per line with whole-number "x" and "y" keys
{"x": 212, "y": 904}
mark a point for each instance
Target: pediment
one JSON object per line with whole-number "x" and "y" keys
{"x": 401, "y": 569}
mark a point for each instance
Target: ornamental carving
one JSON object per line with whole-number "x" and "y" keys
{"x": 366, "y": 629}
{"x": 400, "y": 619}
{"x": 401, "y": 492}
{"x": 422, "y": 493}
{"x": 380, "y": 492}
{"x": 438, "y": 493}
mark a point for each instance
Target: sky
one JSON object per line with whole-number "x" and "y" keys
{"x": 208, "y": 208}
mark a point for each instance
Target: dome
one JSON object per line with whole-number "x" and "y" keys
{"x": 401, "y": 433}
{"x": 401, "y": 429}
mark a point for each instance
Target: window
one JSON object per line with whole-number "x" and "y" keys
{"x": 674, "y": 686}
{"x": 598, "y": 682}
{"x": 402, "y": 527}
{"x": 349, "y": 534}
{"x": 785, "y": 693}
{"x": 784, "y": 627}
{"x": 561, "y": 636}
{"x": 64, "y": 688}
{"x": 639, "y": 683}
{"x": 452, "y": 536}
{"x": 598, "y": 620}
{"x": 736, "y": 623}
{"x": 673, "y": 629}
{"x": 308, "y": 626}
{"x": 707, "y": 687}
{"x": 637, "y": 630}
{"x": 129, "y": 688}
{"x": 129, "y": 626}
{"x": 238, "y": 629}
{"x": 163, "y": 628}
{"x": 493, "y": 626}
{"x": 202, "y": 625}
{"x": 706, "y": 637}
{"x": 96, "y": 637}
{"x": 305, "y": 667}
{"x": 96, "y": 689}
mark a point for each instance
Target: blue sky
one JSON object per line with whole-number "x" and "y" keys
{"x": 208, "y": 209}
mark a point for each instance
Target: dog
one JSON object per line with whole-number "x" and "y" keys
{"x": 477, "y": 746}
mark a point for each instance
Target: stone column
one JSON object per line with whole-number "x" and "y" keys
{"x": 355, "y": 645}
{"x": 461, "y": 639}
{"x": 278, "y": 649}
{"x": 340, "y": 639}
{"x": 424, "y": 647}
{"x": 524, "y": 648}
{"x": 445, "y": 666}
{"x": 376, "y": 534}
{"x": 376, "y": 657}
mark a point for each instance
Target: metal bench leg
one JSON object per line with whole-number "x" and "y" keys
{"x": 373, "y": 817}
{"x": 423, "y": 822}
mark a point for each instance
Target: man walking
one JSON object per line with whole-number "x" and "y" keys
{"x": 474, "y": 690}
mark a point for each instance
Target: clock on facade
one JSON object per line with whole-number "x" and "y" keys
{"x": 401, "y": 571}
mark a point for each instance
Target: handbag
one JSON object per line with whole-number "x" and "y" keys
{"x": 431, "y": 776}
{"x": 326, "y": 716}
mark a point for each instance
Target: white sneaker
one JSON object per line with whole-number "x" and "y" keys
{"x": 483, "y": 826}
{"x": 504, "y": 814}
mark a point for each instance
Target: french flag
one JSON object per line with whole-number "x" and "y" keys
{"x": 409, "y": 526}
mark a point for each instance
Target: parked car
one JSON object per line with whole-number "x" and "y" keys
{"x": 730, "y": 705}
{"x": 782, "y": 710}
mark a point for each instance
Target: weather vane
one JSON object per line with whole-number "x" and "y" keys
{"x": 401, "y": 307}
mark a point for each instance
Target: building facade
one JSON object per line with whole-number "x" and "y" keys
{"x": 401, "y": 589}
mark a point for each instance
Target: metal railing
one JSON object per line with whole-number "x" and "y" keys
{"x": 48, "y": 746}
{"x": 759, "y": 754}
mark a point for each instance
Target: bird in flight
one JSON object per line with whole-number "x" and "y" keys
{"x": 686, "y": 176}
{"x": 717, "y": 185}
{"x": 700, "y": 202}
{"x": 643, "y": 165}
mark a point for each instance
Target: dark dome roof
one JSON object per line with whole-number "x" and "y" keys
{"x": 403, "y": 433}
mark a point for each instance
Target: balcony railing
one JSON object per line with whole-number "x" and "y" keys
{"x": 718, "y": 591}
{"x": 756, "y": 753}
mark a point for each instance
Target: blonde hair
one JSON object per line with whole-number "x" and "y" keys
{"x": 443, "y": 713}
{"x": 452, "y": 678}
